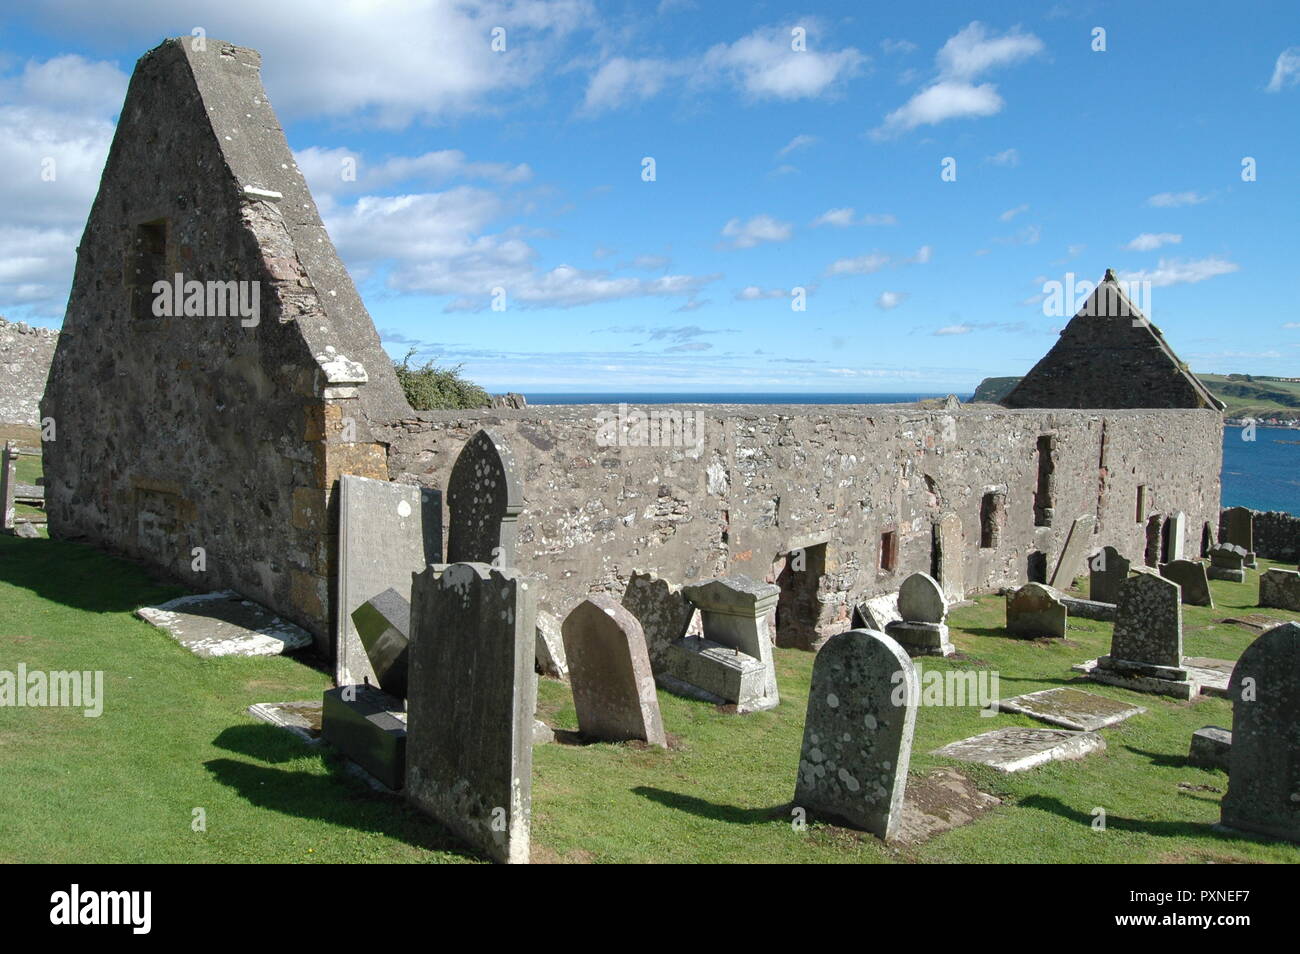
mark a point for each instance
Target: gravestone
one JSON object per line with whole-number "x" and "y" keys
{"x": 1146, "y": 650}
{"x": 1191, "y": 576}
{"x": 383, "y": 623}
{"x": 1036, "y": 610}
{"x": 551, "y": 660}
{"x": 484, "y": 499}
{"x": 950, "y": 543}
{"x": 1070, "y": 708}
{"x": 8, "y": 485}
{"x": 1070, "y": 564}
{"x": 387, "y": 532}
{"x": 1177, "y": 530}
{"x": 922, "y": 631}
{"x": 367, "y": 725}
{"x": 1016, "y": 749}
{"x": 1211, "y": 747}
{"x": 470, "y": 705}
{"x": 1107, "y": 569}
{"x": 1228, "y": 562}
{"x": 857, "y": 737}
{"x": 876, "y": 613}
{"x": 1264, "y": 770}
{"x": 663, "y": 611}
{"x": 1280, "y": 589}
{"x": 735, "y": 651}
{"x": 609, "y": 669}
{"x": 1239, "y": 528}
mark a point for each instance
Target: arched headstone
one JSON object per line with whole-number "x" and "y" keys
{"x": 484, "y": 498}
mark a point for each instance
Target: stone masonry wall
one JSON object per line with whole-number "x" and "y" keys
{"x": 766, "y": 480}
{"x": 1277, "y": 535}
{"x": 25, "y": 356}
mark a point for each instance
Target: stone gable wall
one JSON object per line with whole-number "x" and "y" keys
{"x": 25, "y": 356}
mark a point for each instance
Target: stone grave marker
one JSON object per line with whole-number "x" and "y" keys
{"x": 470, "y": 702}
{"x": 1107, "y": 569}
{"x": 1192, "y": 577}
{"x": 1071, "y": 562}
{"x": 1071, "y": 708}
{"x": 1264, "y": 770}
{"x": 484, "y": 499}
{"x": 922, "y": 631}
{"x": 1227, "y": 562}
{"x": 387, "y": 532}
{"x": 1036, "y": 610}
{"x": 733, "y": 659}
{"x": 1211, "y": 748}
{"x": 663, "y": 611}
{"x": 951, "y": 545}
{"x": 609, "y": 669}
{"x": 857, "y": 739}
{"x": 1177, "y": 531}
{"x": 1280, "y": 589}
{"x": 551, "y": 660}
{"x": 368, "y": 726}
{"x": 1016, "y": 749}
{"x": 383, "y": 623}
{"x": 1239, "y": 528}
{"x": 1146, "y": 651}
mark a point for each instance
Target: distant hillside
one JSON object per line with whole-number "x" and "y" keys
{"x": 1264, "y": 398}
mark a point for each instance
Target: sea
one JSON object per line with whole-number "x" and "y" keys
{"x": 1263, "y": 474}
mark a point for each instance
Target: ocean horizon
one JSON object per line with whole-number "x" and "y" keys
{"x": 740, "y": 397}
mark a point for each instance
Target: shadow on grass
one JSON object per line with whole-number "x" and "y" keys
{"x": 266, "y": 742}
{"x": 704, "y": 809}
{"x": 1159, "y": 829}
{"x": 323, "y": 798}
{"x": 1162, "y": 759}
{"x": 79, "y": 576}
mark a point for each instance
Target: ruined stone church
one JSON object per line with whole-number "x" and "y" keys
{"x": 210, "y": 444}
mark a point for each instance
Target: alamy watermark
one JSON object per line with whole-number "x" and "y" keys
{"x": 211, "y": 299}
{"x": 951, "y": 688}
{"x": 1069, "y": 298}
{"x": 658, "y": 427}
{"x": 56, "y": 689}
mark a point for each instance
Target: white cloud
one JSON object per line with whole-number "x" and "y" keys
{"x": 1172, "y": 200}
{"x": 759, "y": 229}
{"x": 1007, "y": 157}
{"x": 1153, "y": 240}
{"x": 941, "y": 102}
{"x": 323, "y": 167}
{"x": 1010, "y": 214}
{"x": 973, "y": 50}
{"x": 755, "y": 293}
{"x": 1286, "y": 71}
{"x": 1176, "y": 272}
{"x": 890, "y": 299}
{"x": 953, "y": 330}
{"x": 800, "y": 141}
{"x": 922, "y": 256}
{"x": 862, "y": 265}
{"x": 840, "y": 218}
{"x": 898, "y": 46}
{"x": 620, "y": 81}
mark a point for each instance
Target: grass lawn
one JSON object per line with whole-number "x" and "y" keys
{"x": 174, "y": 736}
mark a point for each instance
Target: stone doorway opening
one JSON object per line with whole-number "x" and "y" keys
{"x": 798, "y": 610}
{"x": 1156, "y": 540}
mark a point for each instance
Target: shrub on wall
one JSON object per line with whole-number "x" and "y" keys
{"x": 430, "y": 388}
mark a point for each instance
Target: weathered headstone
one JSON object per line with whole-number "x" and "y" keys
{"x": 383, "y": 623}
{"x": 922, "y": 631}
{"x": 1036, "y": 610}
{"x": 1191, "y": 576}
{"x": 367, "y": 726}
{"x": 876, "y": 613}
{"x": 663, "y": 611}
{"x": 735, "y": 652}
{"x": 1146, "y": 651}
{"x": 950, "y": 543}
{"x": 1264, "y": 773}
{"x": 857, "y": 737}
{"x": 470, "y": 705}
{"x": 609, "y": 669}
{"x": 1280, "y": 589}
{"x": 484, "y": 499}
{"x": 1211, "y": 747}
{"x": 387, "y": 531}
{"x": 1071, "y": 561}
{"x": 8, "y": 485}
{"x": 1239, "y": 528}
{"x": 551, "y": 660}
{"x": 1228, "y": 562}
{"x": 1177, "y": 530}
{"x": 1107, "y": 569}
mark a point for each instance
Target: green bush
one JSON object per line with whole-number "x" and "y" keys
{"x": 430, "y": 388}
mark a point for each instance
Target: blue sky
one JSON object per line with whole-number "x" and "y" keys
{"x": 775, "y": 169}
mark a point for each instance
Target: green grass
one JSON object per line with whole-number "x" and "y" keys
{"x": 174, "y": 736}
{"x": 1257, "y": 397}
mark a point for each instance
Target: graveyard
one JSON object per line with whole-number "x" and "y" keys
{"x": 123, "y": 789}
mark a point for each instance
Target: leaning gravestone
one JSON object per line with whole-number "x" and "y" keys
{"x": 663, "y": 611}
{"x": 1146, "y": 650}
{"x": 484, "y": 499}
{"x": 1264, "y": 766}
{"x": 1228, "y": 562}
{"x": 1192, "y": 577}
{"x": 1036, "y": 610}
{"x": 387, "y": 532}
{"x": 1073, "y": 553}
{"x": 1280, "y": 589}
{"x": 609, "y": 669}
{"x": 383, "y": 622}
{"x": 922, "y": 631}
{"x": 470, "y": 705}
{"x": 1108, "y": 568}
{"x": 857, "y": 737}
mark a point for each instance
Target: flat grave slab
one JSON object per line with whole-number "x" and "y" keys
{"x": 223, "y": 623}
{"x": 1071, "y": 708}
{"x": 1212, "y": 674}
{"x": 1016, "y": 749}
{"x": 303, "y": 719}
{"x": 1256, "y": 622}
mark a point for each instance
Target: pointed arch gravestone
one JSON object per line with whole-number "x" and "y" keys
{"x": 609, "y": 670}
{"x": 857, "y": 737}
{"x": 484, "y": 499}
{"x": 1264, "y": 766}
{"x": 470, "y": 700}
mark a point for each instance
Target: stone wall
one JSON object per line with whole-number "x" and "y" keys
{"x": 766, "y": 480}
{"x": 1277, "y": 535}
{"x": 25, "y": 356}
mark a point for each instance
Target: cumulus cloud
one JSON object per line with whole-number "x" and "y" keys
{"x": 1176, "y": 272}
{"x": 889, "y": 300}
{"x": 1286, "y": 71}
{"x": 862, "y": 265}
{"x": 1007, "y": 157}
{"x": 844, "y": 217}
{"x": 941, "y": 102}
{"x": 1153, "y": 240}
{"x": 755, "y": 231}
{"x": 755, "y": 293}
{"x": 323, "y": 169}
